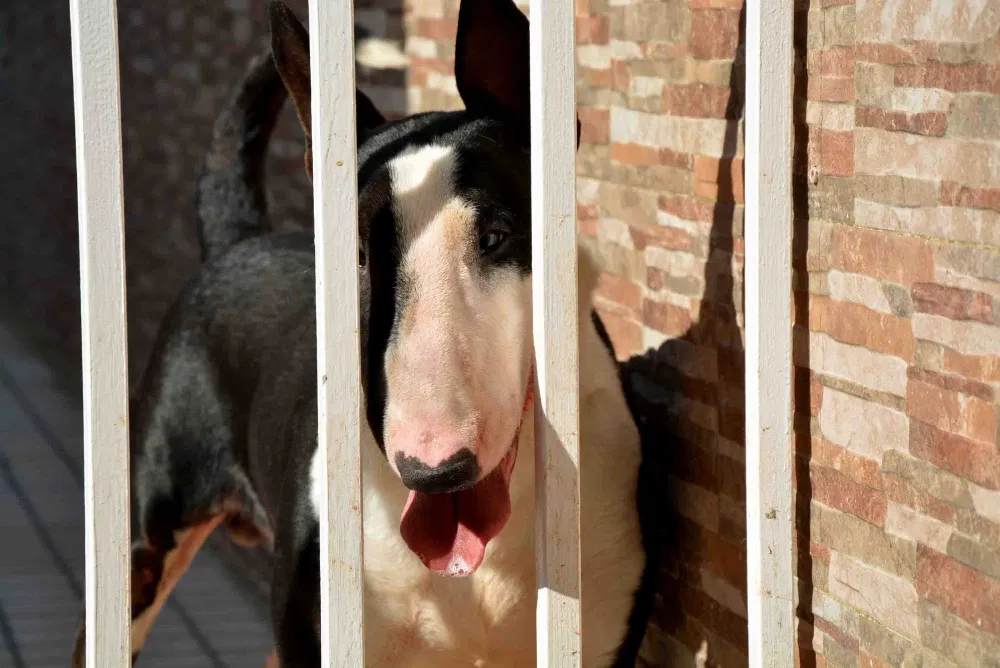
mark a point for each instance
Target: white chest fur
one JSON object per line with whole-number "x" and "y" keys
{"x": 417, "y": 619}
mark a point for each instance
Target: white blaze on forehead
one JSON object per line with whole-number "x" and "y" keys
{"x": 423, "y": 184}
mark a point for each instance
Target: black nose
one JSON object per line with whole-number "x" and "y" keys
{"x": 459, "y": 471}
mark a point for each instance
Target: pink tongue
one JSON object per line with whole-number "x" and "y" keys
{"x": 449, "y": 532}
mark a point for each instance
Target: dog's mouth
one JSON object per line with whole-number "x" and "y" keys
{"x": 449, "y": 532}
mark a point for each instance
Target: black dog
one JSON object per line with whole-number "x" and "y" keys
{"x": 224, "y": 425}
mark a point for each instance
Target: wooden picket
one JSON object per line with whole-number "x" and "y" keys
{"x": 556, "y": 326}
{"x": 768, "y": 290}
{"x": 96, "y": 103}
{"x": 335, "y": 178}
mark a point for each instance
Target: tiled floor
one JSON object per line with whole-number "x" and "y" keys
{"x": 215, "y": 618}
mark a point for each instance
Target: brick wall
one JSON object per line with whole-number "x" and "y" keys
{"x": 898, "y": 327}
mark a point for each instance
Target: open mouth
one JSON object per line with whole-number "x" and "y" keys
{"x": 449, "y": 532}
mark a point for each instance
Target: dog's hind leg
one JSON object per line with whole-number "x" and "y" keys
{"x": 155, "y": 573}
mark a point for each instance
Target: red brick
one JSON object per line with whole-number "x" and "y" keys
{"x": 634, "y": 154}
{"x": 637, "y": 154}
{"x": 714, "y": 33}
{"x": 695, "y": 464}
{"x": 619, "y": 290}
{"x": 838, "y": 635}
{"x": 586, "y": 226}
{"x": 722, "y": 621}
{"x": 621, "y": 76}
{"x": 669, "y": 158}
{"x": 731, "y": 476}
{"x": 660, "y": 236}
{"x": 688, "y": 208}
{"x": 595, "y": 78}
{"x": 438, "y": 29}
{"x": 626, "y": 335}
{"x": 715, "y": 4}
{"x": 723, "y": 558}
{"x": 933, "y": 405}
{"x": 815, "y": 396}
{"x": 954, "y": 383}
{"x": 860, "y": 469}
{"x": 890, "y": 257}
{"x": 902, "y": 492}
{"x": 819, "y": 551}
{"x": 952, "y": 303}
{"x": 586, "y": 211}
{"x": 432, "y": 65}
{"x": 966, "y": 592}
{"x": 973, "y": 460}
{"x": 840, "y": 492}
{"x": 656, "y": 279}
{"x": 956, "y": 194}
{"x": 967, "y": 77}
{"x": 931, "y": 123}
{"x": 981, "y": 367}
{"x": 830, "y": 89}
{"x": 711, "y": 191}
{"x": 665, "y": 318}
{"x": 837, "y": 62}
{"x": 861, "y": 326}
{"x": 913, "y": 53}
{"x": 836, "y": 151}
{"x": 595, "y": 125}
{"x": 665, "y": 51}
{"x": 726, "y": 173}
{"x": 696, "y": 100}
{"x": 980, "y": 420}
{"x": 592, "y": 30}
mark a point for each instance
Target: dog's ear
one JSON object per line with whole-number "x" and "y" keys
{"x": 492, "y": 62}
{"x": 290, "y": 49}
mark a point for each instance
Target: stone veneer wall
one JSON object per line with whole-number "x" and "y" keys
{"x": 897, "y": 258}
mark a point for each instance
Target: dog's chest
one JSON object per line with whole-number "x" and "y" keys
{"x": 485, "y": 620}
{"x": 415, "y": 618}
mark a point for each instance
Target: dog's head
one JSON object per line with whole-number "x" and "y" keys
{"x": 445, "y": 232}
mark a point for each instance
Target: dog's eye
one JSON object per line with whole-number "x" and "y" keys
{"x": 491, "y": 240}
{"x": 362, "y": 259}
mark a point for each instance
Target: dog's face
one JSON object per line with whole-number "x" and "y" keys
{"x": 445, "y": 233}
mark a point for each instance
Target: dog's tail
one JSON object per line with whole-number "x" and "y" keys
{"x": 231, "y": 204}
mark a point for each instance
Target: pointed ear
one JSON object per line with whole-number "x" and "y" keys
{"x": 491, "y": 61}
{"x": 290, "y": 49}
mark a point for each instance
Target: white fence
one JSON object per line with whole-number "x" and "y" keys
{"x": 768, "y": 368}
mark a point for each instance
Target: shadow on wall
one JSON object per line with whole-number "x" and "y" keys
{"x": 672, "y": 390}
{"x": 688, "y": 397}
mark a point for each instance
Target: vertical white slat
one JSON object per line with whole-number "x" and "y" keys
{"x": 768, "y": 276}
{"x": 335, "y": 190}
{"x": 96, "y": 103}
{"x": 556, "y": 332}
